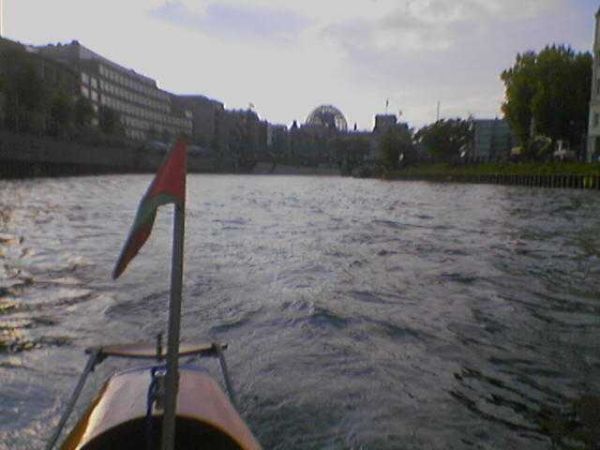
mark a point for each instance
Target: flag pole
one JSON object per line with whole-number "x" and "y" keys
{"x": 172, "y": 376}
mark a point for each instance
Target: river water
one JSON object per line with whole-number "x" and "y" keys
{"x": 359, "y": 314}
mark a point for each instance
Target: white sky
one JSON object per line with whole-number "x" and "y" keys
{"x": 288, "y": 57}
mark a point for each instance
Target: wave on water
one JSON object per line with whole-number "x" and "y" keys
{"x": 358, "y": 313}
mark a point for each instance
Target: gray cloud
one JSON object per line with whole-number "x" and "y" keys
{"x": 432, "y": 50}
{"x": 235, "y": 22}
{"x": 430, "y": 25}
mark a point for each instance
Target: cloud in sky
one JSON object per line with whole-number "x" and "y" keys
{"x": 431, "y": 25}
{"x": 288, "y": 57}
{"x": 231, "y": 21}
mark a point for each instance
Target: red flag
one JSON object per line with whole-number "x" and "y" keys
{"x": 168, "y": 186}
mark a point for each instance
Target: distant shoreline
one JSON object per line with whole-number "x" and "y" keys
{"x": 27, "y": 156}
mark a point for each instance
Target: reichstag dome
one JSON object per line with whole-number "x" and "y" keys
{"x": 327, "y": 116}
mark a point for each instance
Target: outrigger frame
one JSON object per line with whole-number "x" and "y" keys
{"x": 98, "y": 355}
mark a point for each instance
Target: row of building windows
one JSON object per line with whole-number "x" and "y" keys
{"x": 133, "y": 96}
{"x": 132, "y": 83}
{"x": 141, "y": 127}
{"x": 89, "y": 93}
{"x": 145, "y": 119}
{"x": 87, "y": 79}
{"x": 142, "y": 105}
{"x": 128, "y": 95}
{"x": 134, "y": 110}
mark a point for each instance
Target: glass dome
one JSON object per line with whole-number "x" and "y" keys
{"x": 327, "y": 116}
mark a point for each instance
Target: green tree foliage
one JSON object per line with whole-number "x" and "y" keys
{"x": 25, "y": 97}
{"x": 350, "y": 151}
{"x": 550, "y": 90}
{"x": 396, "y": 146}
{"x": 109, "y": 121}
{"x": 61, "y": 115}
{"x": 32, "y": 104}
{"x": 445, "y": 139}
{"x": 83, "y": 113}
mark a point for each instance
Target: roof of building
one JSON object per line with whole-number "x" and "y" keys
{"x": 197, "y": 98}
{"x": 327, "y": 116}
{"x": 84, "y": 53}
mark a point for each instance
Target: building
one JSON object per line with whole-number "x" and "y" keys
{"x": 206, "y": 117}
{"x": 28, "y": 77}
{"x": 327, "y": 117}
{"x": 145, "y": 110}
{"x": 384, "y": 122}
{"x": 492, "y": 139}
{"x": 593, "y": 143}
{"x": 16, "y": 56}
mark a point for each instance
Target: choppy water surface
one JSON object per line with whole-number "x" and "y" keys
{"x": 359, "y": 313}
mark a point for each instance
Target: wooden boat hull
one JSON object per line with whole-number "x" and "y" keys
{"x": 117, "y": 417}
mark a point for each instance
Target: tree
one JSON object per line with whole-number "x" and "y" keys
{"x": 350, "y": 151}
{"x": 446, "y": 138}
{"x": 60, "y": 115}
{"x": 548, "y": 93}
{"x": 396, "y": 146}
{"x": 83, "y": 113}
{"x": 109, "y": 121}
{"x": 26, "y": 96}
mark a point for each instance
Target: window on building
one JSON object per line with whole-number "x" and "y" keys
{"x": 85, "y": 92}
{"x": 94, "y": 83}
{"x": 94, "y": 96}
{"x": 85, "y": 78}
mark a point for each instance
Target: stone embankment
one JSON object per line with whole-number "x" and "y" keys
{"x": 262, "y": 168}
{"x": 29, "y": 156}
{"x": 572, "y": 181}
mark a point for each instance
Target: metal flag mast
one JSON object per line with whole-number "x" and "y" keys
{"x": 116, "y": 415}
{"x": 172, "y": 376}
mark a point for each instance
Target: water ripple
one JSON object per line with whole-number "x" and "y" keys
{"x": 359, "y": 313}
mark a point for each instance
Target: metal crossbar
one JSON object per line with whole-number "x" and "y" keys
{"x": 98, "y": 354}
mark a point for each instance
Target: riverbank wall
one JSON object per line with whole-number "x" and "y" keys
{"x": 26, "y": 156}
{"x": 564, "y": 181}
{"x": 284, "y": 169}
{"x": 23, "y": 156}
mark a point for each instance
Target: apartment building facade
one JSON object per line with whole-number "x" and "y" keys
{"x": 207, "y": 115}
{"x": 145, "y": 111}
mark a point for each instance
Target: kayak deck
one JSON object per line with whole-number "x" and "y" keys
{"x": 117, "y": 417}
